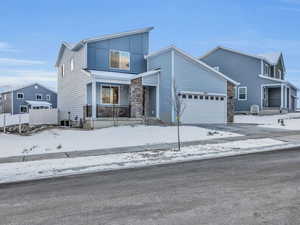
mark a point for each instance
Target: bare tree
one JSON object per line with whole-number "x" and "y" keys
{"x": 179, "y": 107}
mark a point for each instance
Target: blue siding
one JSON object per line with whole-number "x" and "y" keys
{"x": 190, "y": 76}
{"x": 242, "y": 69}
{"x": 30, "y": 95}
{"x": 164, "y": 62}
{"x": 137, "y": 45}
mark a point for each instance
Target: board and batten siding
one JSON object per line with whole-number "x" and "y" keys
{"x": 164, "y": 63}
{"x": 137, "y": 45}
{"x": 71, "y": 88}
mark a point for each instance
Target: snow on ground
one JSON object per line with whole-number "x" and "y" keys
{"x": 291, "y": 120}
{"x": 11, "y": 172}
{"x": 9, "y": 119}
{"x": 61, "y": 140}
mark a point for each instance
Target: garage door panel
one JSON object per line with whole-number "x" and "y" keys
{"x": 211, "y": 110}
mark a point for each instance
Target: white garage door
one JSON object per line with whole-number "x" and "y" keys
{"x": 204, "y": 109}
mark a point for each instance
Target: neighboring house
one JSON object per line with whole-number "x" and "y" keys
{"x": 115, "y": 76}
{"x": 261, "y": 77}
{"x": 19, "y": 99}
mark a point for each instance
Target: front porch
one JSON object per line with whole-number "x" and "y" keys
{"x": 277, "y": 98}
{"x": 133, "y": 97}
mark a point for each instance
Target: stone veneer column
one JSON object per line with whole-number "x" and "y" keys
{"x": 136, "y": 98}
{"x": 230, "y": 102}
{"x": 146, "y": 101}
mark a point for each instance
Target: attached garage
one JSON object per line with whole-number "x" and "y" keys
{"x": 201, "y": 108}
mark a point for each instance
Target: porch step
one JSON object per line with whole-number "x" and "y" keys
{"x": 272, "y": 111}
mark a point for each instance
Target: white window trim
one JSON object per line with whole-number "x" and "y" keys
{"x": 113, "y": 68}
{"x": 39, "y": 99}
{"x": 48, "y": 97}
{"x": 246, "y": 94}
{"x": 25, "y": 107}
{"x": 279, "y": 74}
{"x": 269, "y": 71}
{"x": 110, "y": 85}
{"x": 72, "y": 65}
{"x": 20, "y": 93}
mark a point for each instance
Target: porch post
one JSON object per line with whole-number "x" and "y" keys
{"x": 94, "y": 101}
{"x": 136, "y": 98}
{"x": 281, "y": 88}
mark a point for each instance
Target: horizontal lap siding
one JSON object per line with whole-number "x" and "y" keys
{"x": 72, "y": 87}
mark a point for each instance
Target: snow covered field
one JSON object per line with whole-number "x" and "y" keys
{"x": 60, "y": 140}
{"x": 291, "y": 120}
{"x": 13, "y": 119}
{"x": 11, "y": 172}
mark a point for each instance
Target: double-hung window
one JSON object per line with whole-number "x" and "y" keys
{"x": 119, "y": 60}
{"x": 38, "y": 97}
{"x": 266, "y": 70}
{"x": 110, "y": 94}
{"x": 242, "y": 93}
{"x": 20, "y": 95}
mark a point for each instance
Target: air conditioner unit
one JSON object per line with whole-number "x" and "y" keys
{"x": 254, "y": 109}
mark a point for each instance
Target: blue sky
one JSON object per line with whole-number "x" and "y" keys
{"x": 31, "y": 31}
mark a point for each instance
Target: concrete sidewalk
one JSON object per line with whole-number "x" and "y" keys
{"x": 292, "y": 137}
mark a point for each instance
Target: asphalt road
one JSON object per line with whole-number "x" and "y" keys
{"x": 245, "y": 190}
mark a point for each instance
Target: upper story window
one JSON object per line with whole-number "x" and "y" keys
{"x": 72, "y": 64}
{"x": 20, "y": 95}
{"x": 38, "y": 97}
{"x": 119, "y": 60}
{"x": 242, "y": 93}
{"x": 279, "y": 76}
{"x": 266, "y": 70}
{"x": 48, "y": 97}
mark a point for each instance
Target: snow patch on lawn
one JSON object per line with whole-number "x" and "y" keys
{"x": 291, "y": 120}
{"x": 11, "y": 172}
{"x": 60, "y": 140}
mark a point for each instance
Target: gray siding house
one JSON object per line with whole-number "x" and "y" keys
{"x": 19, "y": 99}
{"x": 261, "y": 77}
{"x": 116, "y": 76}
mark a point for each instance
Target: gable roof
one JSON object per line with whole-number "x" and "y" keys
{"x": 191, "y": 58}
{"x": 75, "y": 46}
{"x": 10, "y": 88}
{"x": 271, "y": 58}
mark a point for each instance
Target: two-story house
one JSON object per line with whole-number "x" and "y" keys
{"x": 116, "y": 76}
{"x": 20, "y": 98}
{"x": 261, "y": 77}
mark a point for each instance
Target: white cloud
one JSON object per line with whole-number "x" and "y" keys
{"x": 5, "y": 47}
{"x": 19, "y": 62}
{"x": 12, "y": 77}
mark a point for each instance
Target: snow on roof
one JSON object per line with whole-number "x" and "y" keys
{"x": 273, "y": 58}
{"x": 39, "y": 103}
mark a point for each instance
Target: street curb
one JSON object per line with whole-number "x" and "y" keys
{"x": 290, "y": 147}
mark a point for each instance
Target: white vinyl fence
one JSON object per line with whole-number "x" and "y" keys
{"x": 43, "y": 116}
{"x": 8, "y": 120}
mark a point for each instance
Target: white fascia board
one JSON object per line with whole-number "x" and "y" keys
{"x": 148, "y": 73}
{"x": 172, "y": 47}
{"x": 118, "y": 35}
{"x": 271, "y": 78}
{"x": 235, "y": 51}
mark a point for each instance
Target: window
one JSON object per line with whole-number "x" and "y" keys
{"x": 222, "y": 98}
{"x": 242, "y": 93}
{"x": 110, "y": 94}
{"x": 211, "y": 97}
{"x": 62, "y": 70}
{"x": 72, "y": 64}
{"x": 20, "y": 95}
{"x": 48, "y": 97}
{"x": 206, "y": 97}
{"x": 195, "y": 96}
{"x": 38, "y": 97}
{"x": 201, "y": 97}
{"x": 23, "y": 109}
{"x": 183, "y": 96}
{"x": 217, "y": 98}
{"x": 119, "y": 60}
{"x": 266, "y": 70}
{"x": 190, "y": 96}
